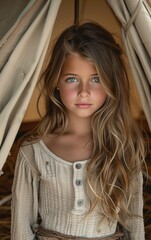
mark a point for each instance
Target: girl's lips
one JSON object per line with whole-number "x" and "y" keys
{"x": 83, "y": 105}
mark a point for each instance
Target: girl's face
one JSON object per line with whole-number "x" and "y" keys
{"x": 80, "y": 87}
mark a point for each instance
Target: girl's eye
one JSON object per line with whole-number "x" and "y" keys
{"x": 95, "y": 80}
{"x": 71, "y": 80}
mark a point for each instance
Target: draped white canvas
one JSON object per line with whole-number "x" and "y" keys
{"x": 23, "y": 49}
{"x": 136, "y": 31}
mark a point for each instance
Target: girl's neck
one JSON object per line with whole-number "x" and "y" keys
{"x": 79, "y": 126}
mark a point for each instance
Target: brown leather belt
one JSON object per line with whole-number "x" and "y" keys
{"x": 43, "y": 234}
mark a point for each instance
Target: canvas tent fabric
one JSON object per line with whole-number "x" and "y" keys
{"x": 136, "y": 31}
{"x": 22, "y": 49}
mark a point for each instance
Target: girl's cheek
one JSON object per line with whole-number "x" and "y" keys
{"x": 69, "y": 90}
{"x": 67, "y": 94}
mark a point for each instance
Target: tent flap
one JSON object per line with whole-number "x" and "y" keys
{"x": 136, "y": 31}
{"x": 22, "y": 68}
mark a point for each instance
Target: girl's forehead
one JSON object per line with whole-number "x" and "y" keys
{"x": 76, "y": 62}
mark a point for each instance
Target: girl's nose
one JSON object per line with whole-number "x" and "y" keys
{"x": 84, "y": 90}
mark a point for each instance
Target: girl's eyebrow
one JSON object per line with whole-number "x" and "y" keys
{"x": 73, "y": 74}
{"x": 95, "y": 74}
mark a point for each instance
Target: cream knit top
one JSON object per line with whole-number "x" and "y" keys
{"x": 55, "y": 188}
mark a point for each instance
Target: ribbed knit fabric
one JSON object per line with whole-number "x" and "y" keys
{"x": 55, "y": 188}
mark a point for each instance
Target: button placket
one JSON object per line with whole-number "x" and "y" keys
{"x": 79, "y": 204}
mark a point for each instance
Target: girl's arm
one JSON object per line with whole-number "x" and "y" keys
{"x": 24, "y": 200}
{"x": 136, "y": 224}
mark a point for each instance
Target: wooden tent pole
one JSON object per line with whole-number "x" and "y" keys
{"x": 76, "y": 12}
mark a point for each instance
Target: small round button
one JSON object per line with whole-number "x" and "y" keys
{"x": 78, "y": 165}
{"x": 78, "y": 182}
{"x": 80, "y": 202}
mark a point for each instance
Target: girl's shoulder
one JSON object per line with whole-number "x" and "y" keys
{"x": 28, "y": 153}
{"x": 27, "y": 148}
{"x": 34, "y": 148}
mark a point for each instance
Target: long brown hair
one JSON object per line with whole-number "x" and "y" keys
{"x": 118, "y": 149}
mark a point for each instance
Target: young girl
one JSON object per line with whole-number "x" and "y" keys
{"x": 80, "y": 175}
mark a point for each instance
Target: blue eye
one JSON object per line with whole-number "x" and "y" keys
{"x": 71, "y": 80}
{"x": 95, "y": 80}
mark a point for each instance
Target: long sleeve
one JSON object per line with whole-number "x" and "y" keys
{"x": 24, "y": 200}
{"x": 136, "y": 224}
